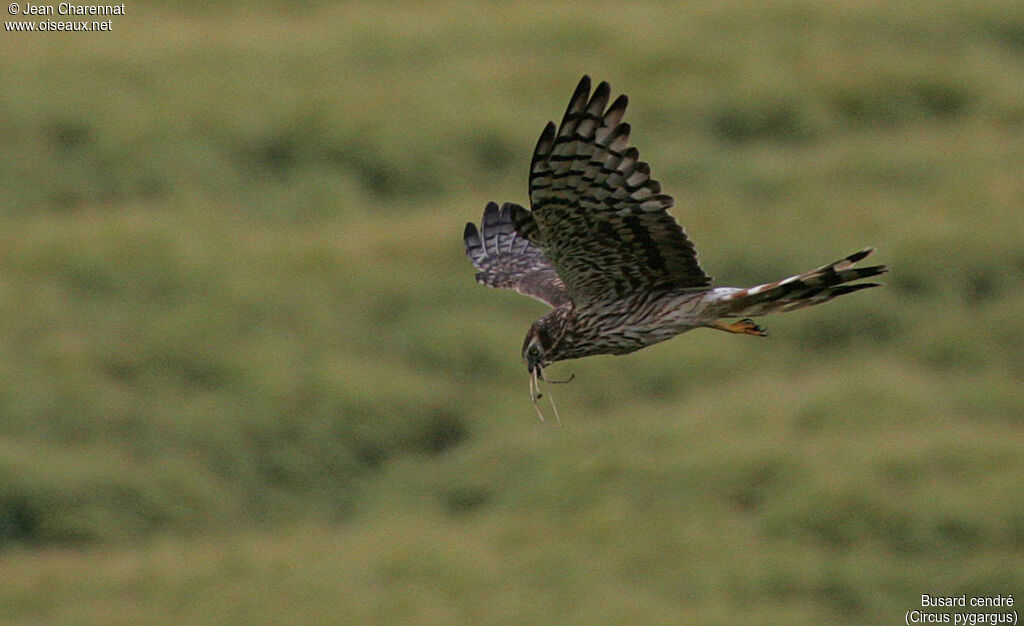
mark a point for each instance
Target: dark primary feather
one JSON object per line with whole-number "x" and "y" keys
{"x": 509, "y": 261}
{"x": 598, "y": 216}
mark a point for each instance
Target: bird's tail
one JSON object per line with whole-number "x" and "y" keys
{"x": 796, "y": 292}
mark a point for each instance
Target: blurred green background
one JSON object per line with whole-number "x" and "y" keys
{"x": 246, "y": 375}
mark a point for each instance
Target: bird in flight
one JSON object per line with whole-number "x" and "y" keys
{"x": 599, "y": 246}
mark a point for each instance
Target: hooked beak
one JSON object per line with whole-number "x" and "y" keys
{"x": 534, "y": 366}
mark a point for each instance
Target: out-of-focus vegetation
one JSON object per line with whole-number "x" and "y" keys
{"x": 246, "y": 375}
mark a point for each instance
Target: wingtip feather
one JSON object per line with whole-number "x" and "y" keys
{"x": 579, "y": 98}
{"x": 474, "y": 243}
{"x": 545, "y": 143}
{"x": 492, "y": 215}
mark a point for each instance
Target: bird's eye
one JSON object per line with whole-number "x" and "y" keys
{"x": 534, "y": 351}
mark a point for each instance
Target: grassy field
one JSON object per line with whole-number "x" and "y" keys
{"x": 246, "y": 375}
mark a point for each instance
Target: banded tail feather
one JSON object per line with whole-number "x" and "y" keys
{"x": 808, "y": 289}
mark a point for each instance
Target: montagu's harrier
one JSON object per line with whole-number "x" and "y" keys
{"x": 600, "y": 247}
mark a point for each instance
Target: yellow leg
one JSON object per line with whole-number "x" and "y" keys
{"x": 742, "y": 327}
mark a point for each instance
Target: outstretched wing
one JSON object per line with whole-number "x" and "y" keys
{"x": 597, "y": 214}
{"x": 508, "y": 261}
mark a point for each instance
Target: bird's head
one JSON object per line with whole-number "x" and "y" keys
{"x": 544, "y": 341}
{"x": 535, "y": 349}
{"x": 543, "y": 346}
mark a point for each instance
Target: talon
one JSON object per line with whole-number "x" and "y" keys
{"x": 751, "y": 328}
{"x": 742, "y": 327}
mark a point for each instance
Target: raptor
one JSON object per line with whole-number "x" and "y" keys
{"x": 599, "y": 246}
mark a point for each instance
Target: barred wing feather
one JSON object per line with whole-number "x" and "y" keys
{"x": 507, "y": 260}
{"x": 597, "y": 215}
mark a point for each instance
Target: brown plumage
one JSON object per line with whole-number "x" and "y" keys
{"x": 600, "y": 247}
